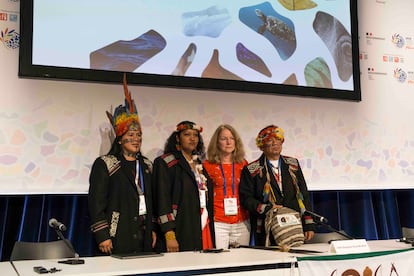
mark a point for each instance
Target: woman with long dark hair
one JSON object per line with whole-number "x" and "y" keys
{"x": 183, "y": 191}
{"x": 120, "y": 191}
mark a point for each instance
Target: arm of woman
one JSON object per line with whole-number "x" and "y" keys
{"x": 163, "y": 181}
{"x": 98, "y": 201}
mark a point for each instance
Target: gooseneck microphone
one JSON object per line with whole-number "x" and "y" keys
{"x": 317, "y": 218}
{"x": 57, "y": 225}
{"x": 59, "y": 228}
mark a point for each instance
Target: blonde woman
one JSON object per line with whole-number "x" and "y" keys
{"x": 225, "y": 161}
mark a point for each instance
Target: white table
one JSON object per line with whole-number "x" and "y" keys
{"x": 7, "y": 269}
{"x": 237, "y": 261}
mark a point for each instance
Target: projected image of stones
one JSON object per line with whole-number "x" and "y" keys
{"x": 317, "y": 74}
{"x": 185, "y": 60}
{"x": 251, "y": 60}
{"x": 295, "y": 5}
{"x": 215, "y": 71}
{"x": 279, "y": 30}
{"x": 338, "y": 41}
{"x": 291, "y": 80}
{"x": 209, "y": 22}
{"x": 128, "y": 55}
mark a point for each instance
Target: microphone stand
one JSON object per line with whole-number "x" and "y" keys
{"x": 330, "y": 228}
{"x": 74, "y": 261}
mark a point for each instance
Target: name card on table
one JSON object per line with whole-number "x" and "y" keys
{"x": 349, "y": 246}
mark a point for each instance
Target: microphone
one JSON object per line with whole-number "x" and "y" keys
{"x": 57, "y": 225}
{"x": 317, "y": 218}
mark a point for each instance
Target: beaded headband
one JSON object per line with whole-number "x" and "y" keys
{"x": 267, "y": 133}
{"x": 188, "y": 125}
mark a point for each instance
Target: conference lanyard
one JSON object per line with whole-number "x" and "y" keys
{"x": 139, "y": 179}
{"x": 224, "y": 179}
{"x": 276, "y": 175}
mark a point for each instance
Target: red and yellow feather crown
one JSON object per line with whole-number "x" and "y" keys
{"x": 124, "y": 117}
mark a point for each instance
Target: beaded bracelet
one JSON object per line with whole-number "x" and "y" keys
{"x": 170, "y": 235}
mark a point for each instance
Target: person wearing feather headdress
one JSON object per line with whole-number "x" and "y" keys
{"x": 120, "y": 190}
{"x": 271, "y": 182}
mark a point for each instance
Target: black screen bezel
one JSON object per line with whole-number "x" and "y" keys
{"x": 28, "y": 70}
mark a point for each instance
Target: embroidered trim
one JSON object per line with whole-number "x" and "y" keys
{"x": 290, "y": 160}
{"x": 114, "y": 224}
{"x": 99, "y": 225}
{"x": 148, "y": 163}
{"x": 254, "y": 167}
{"x": 169, "y": 159}
{"x": 170, "y": 216}
{"x": 166, "y": 218}
{"x": 112, "y": 163}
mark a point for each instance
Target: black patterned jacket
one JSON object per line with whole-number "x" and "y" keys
{"x": 114, "y": 201}
{"x": 252, "y": 181}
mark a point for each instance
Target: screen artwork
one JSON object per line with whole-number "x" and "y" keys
{"x": 262, "y": 46}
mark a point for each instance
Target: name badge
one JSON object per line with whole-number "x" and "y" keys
{"x": 142, "y": 206}
{"x": 203, "y": 201}
{"x": 230, "y": 206}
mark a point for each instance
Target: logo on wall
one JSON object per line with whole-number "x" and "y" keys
{"x": 398, "y": 40}
{"x": 373, "y": 73}
{"x": 13, "y": 17}
{"x": 372, "y": 38}
{"x": 393, "y": 59}
{"x": 400, "y": 75}
{"x": 3, "y": 16}
{"x": 363, "y": 55}
{"x": 10, "y": 38}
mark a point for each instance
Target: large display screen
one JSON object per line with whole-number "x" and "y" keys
{"x": 293, "y": 47}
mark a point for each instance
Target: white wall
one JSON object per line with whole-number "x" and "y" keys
{"x": 49, "y": 130}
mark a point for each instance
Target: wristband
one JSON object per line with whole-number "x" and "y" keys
{"x": 170, "y": 235}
